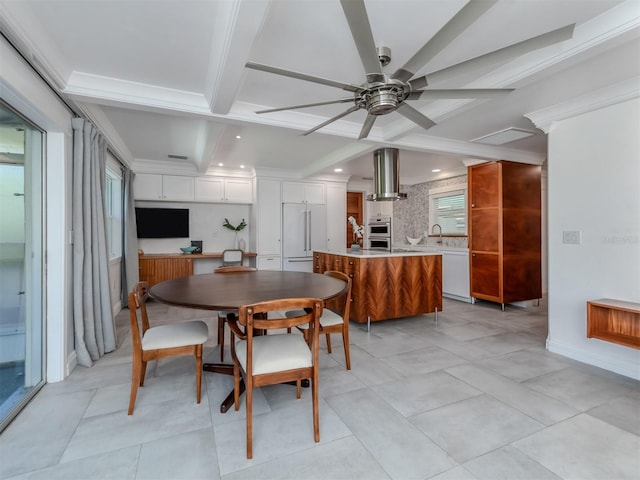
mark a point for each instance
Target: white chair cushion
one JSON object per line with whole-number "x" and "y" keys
{"x": 175, "y": 335}
{"x": 328, "y": 318}
{"x": 275, "y": 353}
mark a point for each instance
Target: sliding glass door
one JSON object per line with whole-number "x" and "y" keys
{"x": 21, "y": 262}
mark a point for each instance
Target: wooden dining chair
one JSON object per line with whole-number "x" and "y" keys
{"x": 153, "y": 343}
{"x": 222, "y": 315}
{"x": 275, "y": 358}
{"x": 335, "y": 317}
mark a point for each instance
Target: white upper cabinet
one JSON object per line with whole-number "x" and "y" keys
{"x": 297, "y": 192}
{"x": 209, "y": 189}
{"x": 178, "y": 188}
{"x": 220, "y": 189}
{"x": 238, "y": 190}
{"x": 163, "y": 187}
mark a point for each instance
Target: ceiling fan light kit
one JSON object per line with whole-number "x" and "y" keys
{"x": 382, "y": 94}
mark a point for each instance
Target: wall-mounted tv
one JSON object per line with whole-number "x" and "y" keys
{"x": 162, "y": 222}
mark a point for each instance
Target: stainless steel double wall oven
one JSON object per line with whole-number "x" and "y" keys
{"x": 379, "y": 233}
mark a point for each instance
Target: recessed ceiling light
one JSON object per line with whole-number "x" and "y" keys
{"x": 337, "y": 169}
{"x": 238, "y": 137}
{"x": 436, "y": 170}
{"x": 221, "y": 164}
{"x": 241, "y": 166}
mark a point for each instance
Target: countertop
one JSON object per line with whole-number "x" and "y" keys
{"x": 432, "y": 248}
{"x": 403, "y": 252}
{"x": 188, "y": 255}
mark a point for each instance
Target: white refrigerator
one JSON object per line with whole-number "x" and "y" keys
{"x": 304, "y": 229}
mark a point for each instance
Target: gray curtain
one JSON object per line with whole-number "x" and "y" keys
{"x": 130, "y": 272}
{"x": 92, "y": 315}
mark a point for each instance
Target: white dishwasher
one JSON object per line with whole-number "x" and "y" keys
{"x": 455, "y": 274}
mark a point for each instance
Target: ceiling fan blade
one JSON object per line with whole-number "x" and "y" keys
{"x": 303, "y": 76}
{"x": 452, "y": 29}
{"x": 460, "y": 93}
{"x": 332, "y": 119}
{"x": 358, "y": 20}
{"x": 294, "y": 107}
{"x": 415, "y": 116}
{"x": 503, "y": 54}
{"x": 366, "y": 127}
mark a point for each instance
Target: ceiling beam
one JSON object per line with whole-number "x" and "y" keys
{"x": 235, "y": 28}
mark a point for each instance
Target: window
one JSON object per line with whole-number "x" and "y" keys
{"x": 113, "y": 203}
{"x": 448, "y": 208}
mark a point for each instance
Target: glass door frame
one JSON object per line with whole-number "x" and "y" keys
{"x": 34, "y": 280}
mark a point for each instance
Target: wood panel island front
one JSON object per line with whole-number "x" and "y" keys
{"x": 387, "y": 284}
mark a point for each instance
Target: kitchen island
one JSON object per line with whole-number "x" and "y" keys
{"x": 386, "y": 284}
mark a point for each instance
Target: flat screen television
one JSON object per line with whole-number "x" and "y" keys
{"x": 162, "y": 222}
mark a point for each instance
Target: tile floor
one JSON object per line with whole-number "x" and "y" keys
{"x": 475, "y": 396}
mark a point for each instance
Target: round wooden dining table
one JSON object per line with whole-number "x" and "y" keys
{"x": 211, "y": 291}
{"x": 230, "y": 291}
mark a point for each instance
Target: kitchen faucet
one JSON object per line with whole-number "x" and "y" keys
{"x": 440, "y": 231}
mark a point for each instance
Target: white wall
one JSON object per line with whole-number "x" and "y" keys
{"x": 205, "y": 223}
{"x": 594, "y": 188}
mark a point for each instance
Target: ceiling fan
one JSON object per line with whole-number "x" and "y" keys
{"x": 382, "y": 93}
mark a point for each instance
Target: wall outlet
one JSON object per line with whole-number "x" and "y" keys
{"x": 571, "y": 237}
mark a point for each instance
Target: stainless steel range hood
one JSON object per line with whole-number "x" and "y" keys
{"x": 386, "y": 181}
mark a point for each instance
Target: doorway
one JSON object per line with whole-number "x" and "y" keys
{"x": 21, "y": 265}
{"x": 354, "y": 209}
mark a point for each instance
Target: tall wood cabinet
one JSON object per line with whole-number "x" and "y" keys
{"x": 505, "y": 231}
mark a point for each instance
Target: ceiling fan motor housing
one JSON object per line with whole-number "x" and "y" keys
{"x": 384, "y": 97}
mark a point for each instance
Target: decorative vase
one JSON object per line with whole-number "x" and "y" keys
{"x": 235, "y": 241}
{"x": 242, "y": 245}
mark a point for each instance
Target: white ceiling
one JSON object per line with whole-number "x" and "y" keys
{"x": 168, "y": 77}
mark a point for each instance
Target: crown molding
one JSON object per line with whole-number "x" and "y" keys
{"x": 545, "y": 118}
{"x": 20, "y": 28}
{"x": 165, "y": 167}
{"x": 89, "y": 87}
{"x": 458, "y": 147}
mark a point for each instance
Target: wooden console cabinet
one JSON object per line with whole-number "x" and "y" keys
{"x": 388, "y": 287}
{"x": 614, "y": 321}
{"x": 156, "y": 268}
{"x": 505, "y": 231}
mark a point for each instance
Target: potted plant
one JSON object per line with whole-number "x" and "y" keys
{"x": 235, "y": 229}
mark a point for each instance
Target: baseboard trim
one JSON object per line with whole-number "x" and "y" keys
{"x": 72, "y": 362}
{"x": 628, "y": 369}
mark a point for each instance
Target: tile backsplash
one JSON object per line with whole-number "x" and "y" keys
{"x": 411, "y": 216}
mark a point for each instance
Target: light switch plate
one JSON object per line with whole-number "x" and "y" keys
{"x": 571, "y": 237}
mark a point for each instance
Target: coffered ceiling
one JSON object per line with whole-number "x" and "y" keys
{"x": 168, "y": 77}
